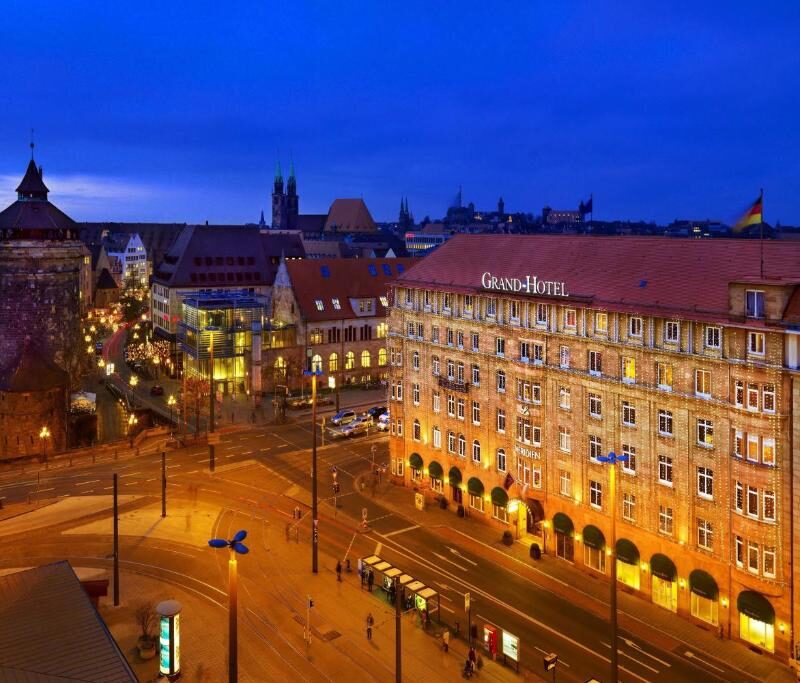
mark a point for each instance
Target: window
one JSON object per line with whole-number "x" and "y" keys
{"x": 769, "y": 561}
{"x": 768, "y": 398}
{"x": 366, "y": 360}
{"x": 333, "y": 362}
{"x": 570, "y": 318}
{"x": 476, "y": 451}
{"x": 460, "y": 404}
{"x": 754, "y": 300}
{"x": 315, "y": 337}
{"x": 665, "y": 520}
{"x": 500, "y": 512}
{"x": 437, "y": 485}
{"x": 738, "y": 499}
{"x": 436, "y": 402}
{"x": 437, "y": 437}
{"x": 705, "y": 433}
{"x": 595, "y": 363}
{"x": 476, "y": 413}
{"x": 705, "y": 482}
{"x": 564, "y": 439}
{"x": 595, "y": 447}
{"x": 416, "y": 431}
{"x": 451, "y": 442}
{"x": 705, "y": 534}
{"x": 450, "y": 336}
{"x": 435, "y": 334}
{"x": 415, "y": 393}
{"x": 752, "y": 557}
{"x": 435, "y": 365}
{"x": 541, "y": 314}
{"x": 755, "y": 343}
{"x": 399, "y": 426}
{"x": 462, "y": 446}
{"x": 672, "y": 332}
{"x": 538, "y": 353}
{"x": 476, "y": 502}
{"x": 536, "y": 393}
{"x": 595, "y": 406}
{"x": 397, "y": 467}
{"x": 635, "y": 327}
{"x": 524, "y": 429}
{"x": 713, "y": 337}
{"x": 448, "y": 301}
{"x": 628, "y": 414}
{"x": 768, "y": 451}
{"x": 525, "y": 351}
{"x": 563, "y": 356}
{"x": 596, "y": 494}
{"x": 738, "y": 443}
{"x": 564, "y": 398}
{"x": 501, "y": 381}
{"x": 467, "y": 303}
{"x": 451, "y": 370}
{"x": 565, "y": 483}
{"x": 702, "y": 383}
{"x": 500, "y": 346}
{"x": 319, "y": 304}
{"x": 752, "y": 447}
{"x": 665, "y": 470}
{"x": 738, "y": 393}
{"x": 595, "y": 558}
{"x": 514, "y": 310}
{"x": 501, "y": 460}
{"x": 739, "y": 552}
{"x": 601, "y": 323}
{"x": 665, "y": 422}
{"x": 769, "y": 506}
{"x": 629, "y": 370}
{"x": 384, "y": 301}
{"x": 460, "y": 373}
{"x": 752, "y": 397}
{"x": 491, "y": 307}
{"x": 382, "y": 357}
{"x": 475, "y": 341}
{"x": 664, "y": 376}
{"x": 415, "y": 360}
{"x": 752, "y": 501}
{"x": 426, "y": 298}
{"x": 629, "y": 465}
{"x": 629, "y": 507}
{"x": 501, "y": 420}
{"x": 476, "y": 375}
{"x": 460, "y": 339}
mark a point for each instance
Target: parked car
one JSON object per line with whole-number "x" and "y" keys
{"x": 376, "y": 411}
{"x": 361, "y": 425}
{"x": 302, "y": 402}
{"x": 156, "y": 390}
{"x": 383, "y": 423}
{"x": 343, "y": 417}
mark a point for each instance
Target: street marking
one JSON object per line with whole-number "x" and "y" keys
{"x": 636, "y": 646}
{"x": 232, "y": 455}
{"x": 132, "y": 483}
{"x": 545, "y": 652}
{"x": 625, "y": 654}
{"x": 193, "y": 472}
{"x": 247, "y": 452}
{"x": 283, "y": 445}
{"x": 401, "y": 531}
{"x": 153, "y": 479}
{"x": 691, "y": 655}
{"x": 449, "y": 609}
{"x": 442, "y": 557}
{"x": 171, "y": 466}
{"x": 53, "y": 489}
{"x": 84, "y": 483}
{"x": 456, "y": 552}
{"x": 130, "y": 474}
{"x": 107, "y": 488}
{"x": 265, "y": 450}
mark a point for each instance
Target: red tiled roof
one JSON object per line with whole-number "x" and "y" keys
{"x": 625, "y": 273}
{"x": 349, "y": 215}
{"x": 346, "y": 279}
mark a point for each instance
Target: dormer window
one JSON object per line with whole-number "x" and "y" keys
{"x": 336, "y": 305}
{"x": 754, "y": 303}
{"x": 319, "y": 304}
{"x": 384, "y": 301}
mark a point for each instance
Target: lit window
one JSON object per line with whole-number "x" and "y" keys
{"x": 665, "y": 470}
{"x": 755, "y": 343}
{"x": 319, "y": 304}
{"x": 601, "y": 323}
{"x": 382, "y": 357}
{"x": 768, "y": 451}
{"x": 629, "y": 370}
{"x": 705, "y": 433}
{"x": 705, "y": 482}
{"x": 366, "y": 360}
{"x": 570, "y": 318}
{"x": 596, "y": 494}
{"x": 705, "y": 534}
{"x": 384, "y": 301}
{"x": 664, "y": 372}
{"x": 713, "y": 337}
{"x": 628, "y": 414}
{"x": 665, "y": 520}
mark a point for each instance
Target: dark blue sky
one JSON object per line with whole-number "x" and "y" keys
{"x": 150, "y": 111}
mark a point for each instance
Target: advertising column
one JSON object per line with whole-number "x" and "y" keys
{"x": 169, "y": 638}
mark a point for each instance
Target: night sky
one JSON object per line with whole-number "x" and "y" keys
{"x": 178, "y": 111}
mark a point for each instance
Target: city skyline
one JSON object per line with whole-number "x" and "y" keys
{"x": 663, "y": 116}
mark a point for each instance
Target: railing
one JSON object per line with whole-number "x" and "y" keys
{"x": 452, "y": 384}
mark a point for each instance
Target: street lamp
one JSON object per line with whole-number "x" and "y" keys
{"x": 612, "y": 459}
{"x": 133, "y": 382}
{"x": 132, "y": 422}
{"x": 236, "y": 546}
{"x": 156, "y": 361}
{"x": 44, "y": 434}
{"x": 210, "y": 329}
{"x": 171, "y": 403}
{"x": 314, "y": 371}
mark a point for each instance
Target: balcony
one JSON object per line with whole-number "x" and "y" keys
{"x": 454, "y": 385}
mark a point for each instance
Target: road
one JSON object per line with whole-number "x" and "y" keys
{"x": 508, "y": 597}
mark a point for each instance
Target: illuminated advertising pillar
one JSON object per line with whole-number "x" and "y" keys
{"x": 169, "y": 638}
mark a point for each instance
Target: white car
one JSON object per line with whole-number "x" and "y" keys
{"x": 383, "y": 423}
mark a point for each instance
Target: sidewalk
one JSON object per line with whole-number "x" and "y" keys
{"x": 657, "y": 625}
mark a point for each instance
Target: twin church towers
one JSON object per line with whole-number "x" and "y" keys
{"x": 285, "y": 205}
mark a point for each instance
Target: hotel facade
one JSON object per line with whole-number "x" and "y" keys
{"x": 517, "y": 363}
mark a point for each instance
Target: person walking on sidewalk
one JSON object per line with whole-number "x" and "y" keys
{"x": 338, "y": 571}
{"x": 370, "y": 622}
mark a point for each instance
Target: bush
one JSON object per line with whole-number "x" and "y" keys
{"x": 460, "y": 510}
{"x": 508, "y": 537}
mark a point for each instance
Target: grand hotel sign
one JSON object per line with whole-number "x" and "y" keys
{"x": 530, "y": 284}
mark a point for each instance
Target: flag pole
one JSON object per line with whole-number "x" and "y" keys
{"x": 761, "y": 235}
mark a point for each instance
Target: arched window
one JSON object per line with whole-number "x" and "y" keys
{"x": 333, "y": 362}
{"x": 476, "y": 451}
{"x": 349, "y": 360}
{"x": 462, "y": 446}
{"x": 417, "y": 431}
{"x": 316, "y": 363}
{"x": 382, "y": 357}
{"x": 366, "y": 360}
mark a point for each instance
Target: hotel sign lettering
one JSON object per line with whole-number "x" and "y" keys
{"x": 527, "y": 452}
{"x": 530, "y": 284}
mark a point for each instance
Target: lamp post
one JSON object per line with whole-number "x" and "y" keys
{"x": 132, "y": 421}
{"x": 171, "y": 403}
{"x": 612, "y": 459}
{"x": 133, "y": 382}
{"x": 44, "y": 434}
{"x": 314, "y": 372}
{"x": 236, "y": 546}
{"x": 211, "y": 331}
{"x": 156, "y": 363}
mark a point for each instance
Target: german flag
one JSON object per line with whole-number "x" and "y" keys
{"x": 753, "y": 216}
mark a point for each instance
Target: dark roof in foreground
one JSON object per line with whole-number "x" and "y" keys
{"x": 50, "y": 631}
{"x": 32, "y": 370}
{"x": 645, "y": 274}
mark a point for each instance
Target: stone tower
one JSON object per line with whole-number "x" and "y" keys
{"x": 292, "y": 199}
{"x": 278, "y": 200}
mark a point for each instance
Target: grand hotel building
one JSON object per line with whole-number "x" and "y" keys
{"x": 517, "y": 361}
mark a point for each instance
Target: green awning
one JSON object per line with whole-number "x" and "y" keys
{"x": 435, "y": 470}
{"x": 499, "y": 496}
{"x": 662, "y": 567}
{"x": 593, "y": 537}
{"x": 475, "y": 486}
{"x": 562, "y": 524}
{"x": 415, "y": 461}
{"x": 703, "y": 584}
{"x": 455, "y": 476}
{"x": 755, "y": 606}
{"x": 627, "y": 551}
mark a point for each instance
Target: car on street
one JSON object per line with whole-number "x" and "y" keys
{"x": 305, "y": 402}
{"x": 361, "y": 425}
{"x": 382, "y": 423}
{"x": 156, "y": 390}
{"x": 343, "y": 417}
{"x": 376, "y": 411}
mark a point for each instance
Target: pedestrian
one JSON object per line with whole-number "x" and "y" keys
{"x": 424, "y": 615}
{"x": 370, "y": 580}
{"x": 338, "y": 571}
{"x": 472, "y": 656}
{"x": 362, "y": 573}
{"x": 370, "y": 622}
{"x": 446, "y": 640}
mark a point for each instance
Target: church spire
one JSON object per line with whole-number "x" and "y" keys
{"x": 278, "y": 184}
{"x": 291, "y": 184}
{"x": 32, "y": 186}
